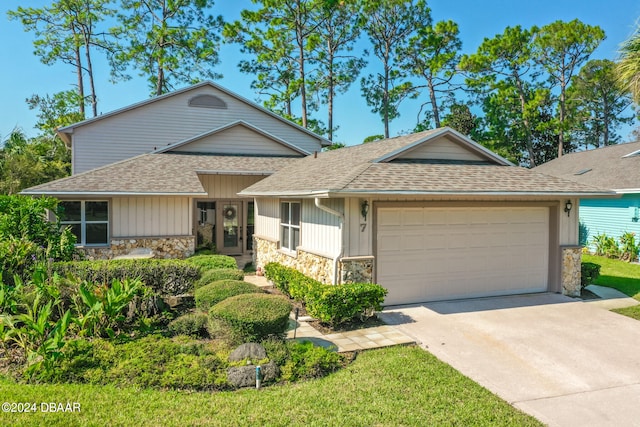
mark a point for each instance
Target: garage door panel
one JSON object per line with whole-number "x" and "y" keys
{"x": 446, "y": 253}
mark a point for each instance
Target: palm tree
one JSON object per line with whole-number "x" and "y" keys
{"x": 628, "y": 66}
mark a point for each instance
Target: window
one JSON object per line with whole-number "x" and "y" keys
{"x": 89, "y": 221}
{"x": 290, "y": 225}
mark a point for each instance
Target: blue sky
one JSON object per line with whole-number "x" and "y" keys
{"x": 22, "y": 74}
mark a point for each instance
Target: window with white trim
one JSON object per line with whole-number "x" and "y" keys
{"x": 289, "y": 225}
{"x": 88, "y": 220}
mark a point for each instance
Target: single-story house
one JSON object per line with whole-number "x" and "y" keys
{"x": 616, "y": 167}
{"x": 430, "y": 216}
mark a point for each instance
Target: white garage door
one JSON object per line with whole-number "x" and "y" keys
{"x": 430, "y": 254}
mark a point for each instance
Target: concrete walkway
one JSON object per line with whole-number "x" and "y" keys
{"x": 564, "y": 361}
{"x": 360, "y": 339}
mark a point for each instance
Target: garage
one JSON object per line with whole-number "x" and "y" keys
{"x": 441, "y": 253}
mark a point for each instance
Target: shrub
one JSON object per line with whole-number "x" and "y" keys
{"x": 589, "y": 273}
{"x": 211, "y": 294}
{"x": 606, "y": 246}
{"x": 333, "y": 304}
{"x": 191, "y": 324}
{"x": 279, "y": 275}
{"x": 628, "y": 247}
{"x": 152, "y": 361}
{"x": 342, "y": 303}
{"x": 163, "y": 276}
{"x": 219, "y": 274}
{"x": 307, "y": 361}
{"x": 210, "y": 262}
{"x": 253, "y": 317}
{"x": 28, "y": 237}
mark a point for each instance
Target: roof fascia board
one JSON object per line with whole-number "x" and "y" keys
{"x": 229, "y": 126}
{"x": 110, "y": 193}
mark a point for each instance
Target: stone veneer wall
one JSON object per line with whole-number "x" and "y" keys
{"x": 356, "y": 270}
{"x": 312, "y": 265}
{"x": 160, "y": 247}
{"x": 571, "y": 270}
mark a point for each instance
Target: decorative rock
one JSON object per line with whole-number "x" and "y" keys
{"x": 179, "y": 301}
{"x": 251, "y": 351}
{"x": 311, "y": 265}
{"x": 245, "y": 376}
{"x": 571, "y": 270}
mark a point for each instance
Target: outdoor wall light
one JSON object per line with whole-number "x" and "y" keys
{"x": 364, "y": 209}
{"x": 567, "y": 207}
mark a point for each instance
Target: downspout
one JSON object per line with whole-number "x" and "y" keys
{"x": 340, "y": 216}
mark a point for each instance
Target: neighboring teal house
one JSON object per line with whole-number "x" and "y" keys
{"x": 616, "y": 167}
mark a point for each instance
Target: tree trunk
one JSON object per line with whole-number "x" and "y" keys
{"x": 434, "y": 103}
{"x": 330, "y": 96}
{"x": 94, "y": 100}
{"x": 385, "y": 101}
{"x": 525, "y": 121}
{"x": 80, "y": 79}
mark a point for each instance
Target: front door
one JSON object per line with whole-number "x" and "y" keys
{"x": 229, "y": 235}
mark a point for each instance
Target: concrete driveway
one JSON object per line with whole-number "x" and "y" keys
{"x": 564, "y": 361}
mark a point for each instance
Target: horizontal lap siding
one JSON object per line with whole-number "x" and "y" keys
{"x": 610, "y": 216}
{"x": 166, "y": 122}
{"x": 442, "y": 148}
{"x": 238, "y": 140}
{"x": 151, "y": 216}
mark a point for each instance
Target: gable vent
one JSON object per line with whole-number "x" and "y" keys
{"x": 207, "y": 101}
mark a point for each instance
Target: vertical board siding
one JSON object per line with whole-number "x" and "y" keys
{"x": 166, "y": 122}
{"x": 238, "y": 140}
{"x": 227, "y": 186}
{"x": 359, "y": 240}
{"x": 151, "y": 216}
{"x": 320, "y": 231}
{"x": 613, "y": 217}
{"x": 267, "y": 217}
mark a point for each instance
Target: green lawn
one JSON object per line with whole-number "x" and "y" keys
{"x": 393, "y": 386}
{"x": 620, "y": 275}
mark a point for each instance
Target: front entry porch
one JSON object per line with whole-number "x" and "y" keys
{"x": 225, "y": 226}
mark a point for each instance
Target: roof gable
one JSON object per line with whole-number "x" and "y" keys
{"x": 444, "y": 145}
{"x": 239, "y": 138}
{"x": 69, "y": 129}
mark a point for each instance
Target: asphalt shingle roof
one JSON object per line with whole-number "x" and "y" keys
{"x": 605, "y": 167}
{"x": 354, "y": 170}
{"x": 164, "y": 173}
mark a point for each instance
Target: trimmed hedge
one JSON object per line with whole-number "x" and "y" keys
{"x": 589, "y": 273}
{"x": 209, "y": 295}
{"x": 192, "y": 324}
{"x": 219, "y": 274}
{"x": 211, "y": 262}
{"x": 253, "y": 317}
{"x": 163, "y": 276}
{"x": 333, "y": 304}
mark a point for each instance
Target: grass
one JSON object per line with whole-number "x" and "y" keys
{"x": 392, "y": 386}
{"x": 619, "y": 275}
